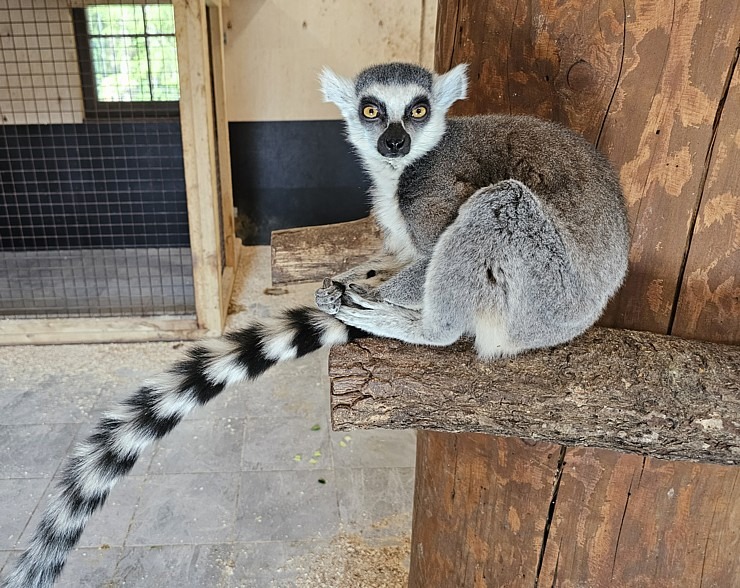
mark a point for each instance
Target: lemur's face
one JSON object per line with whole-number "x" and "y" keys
{"x": 394, "y": 117}
{"x": 395, "y": 112}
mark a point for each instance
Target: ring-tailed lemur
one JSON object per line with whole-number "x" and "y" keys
{"x": 508, "y": 229}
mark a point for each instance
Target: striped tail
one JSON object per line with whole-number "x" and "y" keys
{"x": 152, "y": 412}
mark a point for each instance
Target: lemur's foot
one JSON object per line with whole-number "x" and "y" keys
{"x": 358, "y": 294}
{"x": 376, "y": 316}
{"x": 329, "y": 296}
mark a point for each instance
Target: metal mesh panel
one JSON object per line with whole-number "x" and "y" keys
{"x": 93, "y": 217}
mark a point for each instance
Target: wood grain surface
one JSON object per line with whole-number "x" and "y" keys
{"x": 625, "y": 390}
{"x": 709, "y": 303}
{"x": 491, "y": 491}
{"x": 630, "y": 520}
{"x": 310, "y": 254}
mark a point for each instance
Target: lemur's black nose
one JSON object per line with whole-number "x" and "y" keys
{"x": 394, "y": 142}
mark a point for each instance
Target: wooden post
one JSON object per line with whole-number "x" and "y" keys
{"x": 199, "y": 155}
{"x": 231, "y": 243}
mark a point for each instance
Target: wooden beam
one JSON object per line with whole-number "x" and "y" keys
{"x": 196, "y": 121}
{"x": 98, "y": 330}
{"x": 623, "y": 390}
{"x": 222, "y": 132}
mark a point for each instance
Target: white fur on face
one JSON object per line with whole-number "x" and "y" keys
{"x": 397, "y": 99}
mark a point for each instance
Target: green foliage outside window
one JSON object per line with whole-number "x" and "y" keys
{"x": 133, "y": 52}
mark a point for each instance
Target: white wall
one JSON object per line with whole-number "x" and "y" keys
{"x": 275, "y": 50}
{"x": 39, "y": 75}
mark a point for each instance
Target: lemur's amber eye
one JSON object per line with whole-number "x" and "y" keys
{"x": 419, "y": 111}
{"x": 370, "y": 111}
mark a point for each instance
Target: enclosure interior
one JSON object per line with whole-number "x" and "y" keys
{"x": 93, "y": 215}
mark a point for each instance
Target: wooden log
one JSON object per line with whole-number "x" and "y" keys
{"x": 627, "y": 520}
{"x": 473, "y": 488}
{"x": 624, "y": 390}
{"x": 310, "y": 254}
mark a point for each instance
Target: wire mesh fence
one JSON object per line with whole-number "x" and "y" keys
{"x": 93, "y": 213}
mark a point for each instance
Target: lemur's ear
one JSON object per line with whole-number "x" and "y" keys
{"x": 336, "y": 89}
{"x": 452, "y": 86}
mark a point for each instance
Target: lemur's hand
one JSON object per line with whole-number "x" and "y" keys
{"x": 329, "y": 296}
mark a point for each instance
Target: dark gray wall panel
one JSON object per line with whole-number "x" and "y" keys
{"x": 293, "y": 173}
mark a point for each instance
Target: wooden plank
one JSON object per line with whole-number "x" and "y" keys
{"x": 310, "y": 254}
{"x": 480, "y": 510}
{"x": 665, "y": 397}
{"x": 196, "y": 121}
{"x": 98, "y": 330}
{"x": 222, "y": 133}
{"x": 709, "y": 303}
{"x": 626, "y": 520}
{"x": 228, "y": 281}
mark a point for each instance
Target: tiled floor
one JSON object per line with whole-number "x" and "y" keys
{"x": 253, "y": 490}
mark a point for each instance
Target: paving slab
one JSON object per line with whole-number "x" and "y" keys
{"x": 212, "y": 445}
{"x": 375, "y": 502}
{"x": 20, "y": 498}
{"x": 373, "y": 449}
{"x": 109, "y": 526}
{"x": 284, "y": 506}
{"x": 286, "y": 444}
{"x": 185, "y": 508}
{"x": 34, "y": 451}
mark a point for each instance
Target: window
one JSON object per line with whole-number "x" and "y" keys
{"x": 128, "y": 60}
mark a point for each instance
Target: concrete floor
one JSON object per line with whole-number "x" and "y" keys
{"x": 252, "y": 490}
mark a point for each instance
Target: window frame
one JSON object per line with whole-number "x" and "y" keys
{"x": 97, "y": 109}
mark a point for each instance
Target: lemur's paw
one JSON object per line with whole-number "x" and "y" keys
{"x": 329, "y": 296}
{"x": 360, "y": 296}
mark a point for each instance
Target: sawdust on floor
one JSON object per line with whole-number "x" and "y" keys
{"x": 350, "y": 562}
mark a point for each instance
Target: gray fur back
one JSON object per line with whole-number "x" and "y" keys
{"x": 574, "y": 184}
